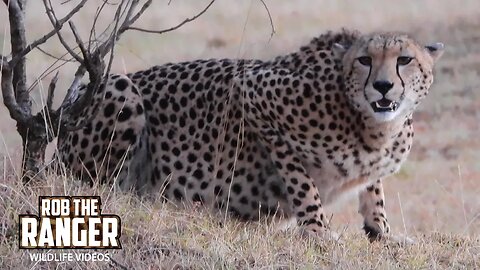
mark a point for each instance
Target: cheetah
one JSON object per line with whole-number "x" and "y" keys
{"x": 285, "y": 136}
{"x": 112, "y": 133}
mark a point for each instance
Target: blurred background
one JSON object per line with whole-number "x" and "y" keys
{"x": 438, "y": 188}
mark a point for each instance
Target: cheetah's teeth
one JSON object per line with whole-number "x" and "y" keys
{"x": 392, "y": 106}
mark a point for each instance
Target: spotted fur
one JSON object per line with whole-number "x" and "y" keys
{"x": 285, "y": 136}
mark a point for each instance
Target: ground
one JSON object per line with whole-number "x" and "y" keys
{"x": 434, "y": 198}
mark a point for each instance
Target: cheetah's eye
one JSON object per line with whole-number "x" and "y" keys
{"x": 365, "y": 60}
{"x": 404, "y": 60}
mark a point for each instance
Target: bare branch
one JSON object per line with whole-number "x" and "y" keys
{"x": 57, "y": 58}
{"x": 131, "y": 21}
{"x": 47, "y": 36}
{"x": 92, "y": 63}
{"x": 132, "y": 7}
{"x": 95, "y": 19}
{"x": 92, "y": 68}
{"x": 95, "y": 71}
{"x": 174, "y": 27}
{"x": 127, "y": 21}
{"x": 49, "y": 70}
{"x": 51, "y": 90}
{"x": 53, "y": 20}
{"x": 115, "y": 34}
{"x": 79, "y": 41}
{"x": 8, "y": 93}
{"x": 72, "y": 92}
{"x": 48, "y": 113}
{"x": 270, "y": 18}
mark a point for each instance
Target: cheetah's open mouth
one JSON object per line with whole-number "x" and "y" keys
{"x": 384, "y": 105}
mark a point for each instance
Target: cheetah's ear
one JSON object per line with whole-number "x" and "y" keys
{"x": 435, "y": 50}
{"x": 339, "y": 50}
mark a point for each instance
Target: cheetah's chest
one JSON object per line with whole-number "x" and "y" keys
{"x": 340, "y": 177}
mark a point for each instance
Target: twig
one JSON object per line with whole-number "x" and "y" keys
{"x": 46, "y": 72}
{"x": 51, "y": 90}
{"x": 95, "y": 19}
{"x": 129, "y": 22}
{"x": 55, "y": 57}
{"x": 91, "y": 90}
{"x": 94, "y": 64}
{"x": 47, "y": 111}
{"x": 114, "y": 35}
{"x": 53, "y": 19}
{"x": 47, "y": 36}
{"x": 78, "y": 39}
{"x": 132, "y": 7}
{"x": 174, "y": 27}
{"x": 72, "y": 92}
{"x": 113, "y": 38}
{"x": 270, "y": 18}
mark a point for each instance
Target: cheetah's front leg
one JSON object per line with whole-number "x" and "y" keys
{"x": 302, "y": 194}
{"x": 372, "y": 208}
{"x": 375, "y": 223}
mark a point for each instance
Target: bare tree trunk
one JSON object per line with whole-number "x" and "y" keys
{"x": 30, "y": 145}
{"x": 34, "y": 142}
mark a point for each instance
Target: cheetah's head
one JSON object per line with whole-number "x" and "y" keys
{"x": 386, "y": 75}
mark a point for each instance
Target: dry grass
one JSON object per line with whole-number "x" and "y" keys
{"x": 158, "y": 235}
{"x": 434, "y": 197}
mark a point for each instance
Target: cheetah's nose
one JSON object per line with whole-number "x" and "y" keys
{"x": 383, "y": 86}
